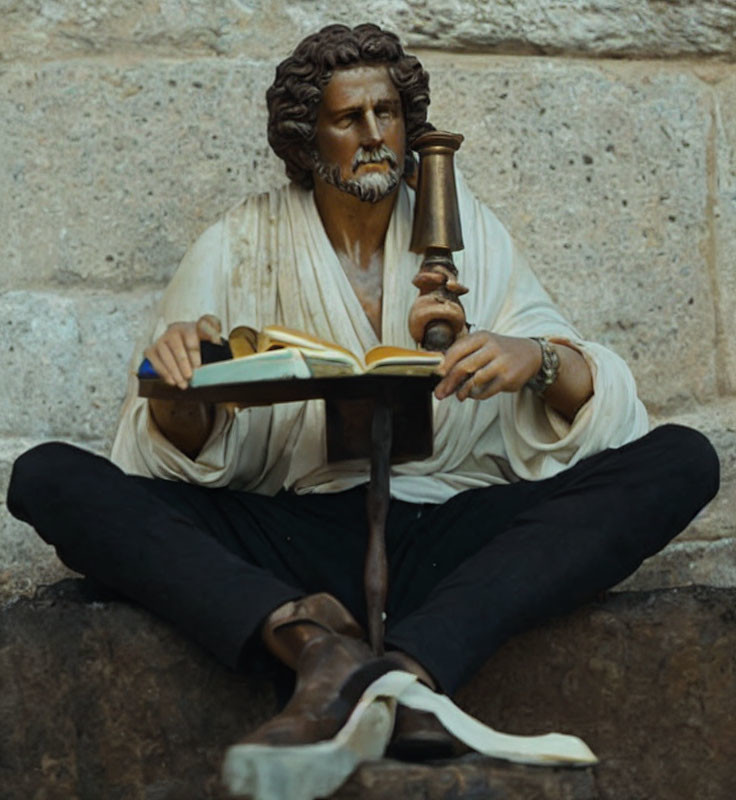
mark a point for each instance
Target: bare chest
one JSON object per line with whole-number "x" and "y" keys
{"x": 367, "y": 283}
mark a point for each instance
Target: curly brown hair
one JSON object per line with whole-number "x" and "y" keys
{"x": 294, "y": 97}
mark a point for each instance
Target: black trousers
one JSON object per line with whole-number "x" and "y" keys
{"x": 464, "y": 575}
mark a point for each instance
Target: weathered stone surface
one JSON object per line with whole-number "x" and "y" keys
{"x": 687, "y": 563}
{"x": 35, "y": 29}
{"x": 101, "y": 701}
{"x": 587, "y": 167}
{"x": 724, "y": 180}
{"x": 603, "y": 27}
{"x": 65, "y": 361}
{"x": 65, "y": 365}
{"x": 645, "y": 679}
{"x": 116, "y": 705}
{"x": 584, "y": 163}
{"x": 109, "y": 173}
{"x": 27, "y": 562}
{"x": 472, "y": 777}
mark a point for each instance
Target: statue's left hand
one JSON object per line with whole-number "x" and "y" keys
{"x": 482, "y": 364}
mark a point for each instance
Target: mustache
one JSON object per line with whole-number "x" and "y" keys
{"x": 375, "y": 155}
{"x": 368, "y": 188}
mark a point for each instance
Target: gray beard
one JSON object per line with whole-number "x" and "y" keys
{"x": 370, "y": 188}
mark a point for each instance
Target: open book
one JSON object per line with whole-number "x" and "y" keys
{"x": 278, "y": 353}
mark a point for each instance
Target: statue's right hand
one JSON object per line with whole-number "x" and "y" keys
{"x": 175, "y": 354}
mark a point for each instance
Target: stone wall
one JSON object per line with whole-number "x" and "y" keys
{"x": 602, "y": 134}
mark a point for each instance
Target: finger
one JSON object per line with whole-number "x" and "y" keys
{"x": 462, "y": 371}
{"x": 460, "y": 349}
{"x": 191, "y": 344}
{"x": 209, "y": 327}
{"x": 485, "y": 382}
{"x": 161, "y": 368}
{"x": 485, "y": 390}
{"x": 177, "y": 343}
{"x": 171, "y": 364}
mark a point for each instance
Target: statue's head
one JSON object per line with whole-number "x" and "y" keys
{"x": 295, "y": 96}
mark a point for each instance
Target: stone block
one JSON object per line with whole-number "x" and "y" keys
{"x": 108, "y": 173}
{"x": 686, "y": 563}
{"x": 27, "y": 562}
{"x": 100, "y": 700}
{"x": 725, "y": 229}
{"x": 605, "y": 27}
{"x": 644, "y": 678}
{"x": 258, "y": 28}
{"x": 601, "y": 175}
{"x": 466, "y": 778}
{"x": 66, "y": 360}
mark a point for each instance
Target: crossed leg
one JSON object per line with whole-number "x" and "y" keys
{"x": 464, "y": 575}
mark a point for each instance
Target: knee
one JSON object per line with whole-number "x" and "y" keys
{"x": 38, "y": 473}
{"x": 692, "y": 455}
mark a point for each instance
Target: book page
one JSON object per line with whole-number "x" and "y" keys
{"x": 401, "y": 361}
{"x": 330, "y": 363}
{"x": 280, "y": 334}
{"x": 385, "y": 351}
{"x": 243, "y": 341}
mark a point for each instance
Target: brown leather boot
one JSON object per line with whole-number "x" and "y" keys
{"x": 317, "y": 741}
{"x": 319, "y": 638}
{"x": 286, "y": 634}
{"x": 324, "y": 695}
{"x": 418, "y": 735}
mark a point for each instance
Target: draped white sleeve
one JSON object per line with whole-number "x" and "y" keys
{"x": 539, "y": 442}
{"x": 225, "y": 273}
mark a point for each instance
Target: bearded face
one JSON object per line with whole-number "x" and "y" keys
{"x": 370, "y": 186}
{"x": 360, "y": 137}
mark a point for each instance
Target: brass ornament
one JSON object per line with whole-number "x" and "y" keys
{"x": 437, "y": 316}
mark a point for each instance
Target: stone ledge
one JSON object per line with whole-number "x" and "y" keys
{"x": 686, "y": 562}
{"x": 100, "y": 700}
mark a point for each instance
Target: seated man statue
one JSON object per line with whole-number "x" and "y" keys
{"x": 544, "y": 487}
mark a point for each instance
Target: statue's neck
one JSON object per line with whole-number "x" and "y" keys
{"x": 356, "y": 229}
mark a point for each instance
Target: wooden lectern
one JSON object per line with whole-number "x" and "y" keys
{"x": 386, "y": 418}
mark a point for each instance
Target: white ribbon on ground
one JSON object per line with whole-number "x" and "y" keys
{"x": 306, "y": 772}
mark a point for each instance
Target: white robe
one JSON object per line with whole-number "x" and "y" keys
{"x": 269, "y": 261}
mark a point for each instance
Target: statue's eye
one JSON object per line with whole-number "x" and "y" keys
{"x": 387, "y": 111}
{"x": 348, "y": 119}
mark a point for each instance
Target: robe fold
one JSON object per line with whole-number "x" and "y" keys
{"x": 269, "y": 260}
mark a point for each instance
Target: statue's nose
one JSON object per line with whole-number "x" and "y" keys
{"x": 371, "y": 131}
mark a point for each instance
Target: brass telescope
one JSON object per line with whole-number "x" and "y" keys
{"x": 437, "y": 233}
